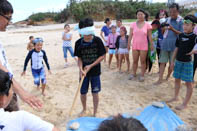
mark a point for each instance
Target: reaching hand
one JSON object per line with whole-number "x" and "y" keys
{"x": 31, "y": 100}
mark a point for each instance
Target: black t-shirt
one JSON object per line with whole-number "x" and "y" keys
{"x": 89, "y": 52}
{"x": 185, "y": 44}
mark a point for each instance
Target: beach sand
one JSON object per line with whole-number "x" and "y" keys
{"x": 118, "y": 95}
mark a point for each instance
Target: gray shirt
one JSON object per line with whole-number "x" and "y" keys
{"x": 123, "y": 43}
{"x": 168, "y": 43}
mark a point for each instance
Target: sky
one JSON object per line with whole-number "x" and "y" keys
{"x": 24, "y": 8}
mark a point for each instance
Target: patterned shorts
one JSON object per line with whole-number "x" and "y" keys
{"x": 183, "y": 71}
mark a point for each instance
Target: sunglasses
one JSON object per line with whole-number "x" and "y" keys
{"x": 38, "y": 40}
{"x": 6, "y": 17}
{"x": 188, "y": 21}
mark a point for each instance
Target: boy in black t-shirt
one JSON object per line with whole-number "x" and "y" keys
{"x": 183, "y": 68}
{"x": 90, "y": 51}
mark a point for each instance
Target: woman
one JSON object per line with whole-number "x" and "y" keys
{"x": 139, "y": 31}
{"x": 6, "y": 12}
{"x": 105, "y": 31}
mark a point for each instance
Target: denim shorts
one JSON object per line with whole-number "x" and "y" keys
{"x": 112, "y": 51}
{"x": 66, "y": 49}
{"x": 39, "y": 75}
{"x": 95, "y": 84}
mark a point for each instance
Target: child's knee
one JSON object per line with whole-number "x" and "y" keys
{"x": 43, "y": 80}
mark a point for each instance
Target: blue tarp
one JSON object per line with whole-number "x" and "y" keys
{"x": 153, "y": 118}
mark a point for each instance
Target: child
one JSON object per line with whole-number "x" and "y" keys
{"x": 30, "y": 45}
{"x": 183, "y": 69}
{"x": 67, "y": 37}
{"x": 121, "y": 45}
{"x": 105, "y": 31}
{"x": 151, "y": 58}
{"x": 111, "y": 43}
{"x": 37, "y": 55}
{"x": 90, "y": 52}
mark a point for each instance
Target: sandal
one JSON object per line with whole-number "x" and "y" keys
{"x": 132, "y": 76}
{"x": 141, "y": 79}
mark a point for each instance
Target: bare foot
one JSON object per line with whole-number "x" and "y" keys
{"x": 158, "y": 82}
{"x": 172, "y": 100}
{"x": 167, "y": 78}
{"x": 83, "y": 113}
{"x": 181, "y": 107}
{"x": 43, "y": 94}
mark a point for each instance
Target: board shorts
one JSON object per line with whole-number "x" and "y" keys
{"x": 95, "y": 84}
{"x": 183, "y": 71}
{"x": 165, "y": 56}
{"x": 39, "y": 75}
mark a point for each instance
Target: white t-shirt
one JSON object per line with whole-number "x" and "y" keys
{"x": 22, "y": 121}
{"x": 3, "y": 59}
{"x": 67, "y": 43}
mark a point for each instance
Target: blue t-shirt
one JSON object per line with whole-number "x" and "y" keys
{"x": 168, "y": 43}
{"x": 106, "y": 30}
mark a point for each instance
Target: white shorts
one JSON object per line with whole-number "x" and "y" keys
{"x": 123, "y": 51}
{"x": 105, "y": 43}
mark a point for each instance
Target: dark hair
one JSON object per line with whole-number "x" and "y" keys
{"x": 5, "y": 83}
{"x": 87, "y": 22}
{"x": 141, "y": 10}
{"x": 174, "y": 5}
{"x": 106, "y": 20}
{"x": 156, "y": 22}
{"x": 66, "y": 25}
{"x": 119, "y": 20}
{"x": 147, "y": 14}
{"x": 31, "y": 37}
{"x": 5, "y": 7}
{"x": 120, "y": 123}
{"x": 158, "y": 13}
{"x": 191, "y": 18}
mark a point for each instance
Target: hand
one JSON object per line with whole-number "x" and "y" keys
{"x": 23, "y": 73}
{"x": 192, "y": 52}
{"x": 128, "y": 47}
{"x": 82, "y": 73}
{"x": 170, "y": 27}
{"x": 31, "y": 100}
{"x": 87, "y": 68}
{"x": 172, "y": 66}
{"x": 49, "y": 72}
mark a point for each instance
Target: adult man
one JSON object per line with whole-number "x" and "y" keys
{"x": 6, "y": 12}
{"x": 173, "y": 27}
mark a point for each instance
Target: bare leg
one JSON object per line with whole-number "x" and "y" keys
{"x": 83, "y": 101}
{"x": 177, "y": 89}
{"x": 123, "y": 59}
{"x": 43, "y": 89}
{"x": 136, "y": 55}
{"x": 161, "y": 71}
{"x": 128, "y": 62}
{"x": 120, "y": 62}
{"x": 188, "y": 96}
{"x": 95, "y": 102}
{"x": 143, "y": 55}
{"x": 117, "y": 60}
{"x": 110, "y": 59}
{"x": 66, "y": 60}
{"x": 169, "y": 73}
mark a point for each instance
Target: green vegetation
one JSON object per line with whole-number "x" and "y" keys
{"x": 99, "y": 10}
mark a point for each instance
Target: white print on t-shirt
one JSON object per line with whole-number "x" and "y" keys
{"x": 3, "y": 59}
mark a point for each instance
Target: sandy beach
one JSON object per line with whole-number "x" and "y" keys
{"x": 118, "y": 95}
